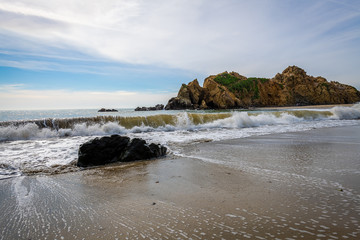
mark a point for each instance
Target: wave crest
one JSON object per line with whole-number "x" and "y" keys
{"x": 107, "y": 125}
{"x": 346, "y": 113}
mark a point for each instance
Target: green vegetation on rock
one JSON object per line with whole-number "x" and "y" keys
{"x": 244, "y": 86}
{"x": 226, "y": 79}
{"x": 262, "y": 80}
{"x": 234, "y": 84}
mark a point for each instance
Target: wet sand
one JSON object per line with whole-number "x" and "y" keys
{"x": 294, "y": 185}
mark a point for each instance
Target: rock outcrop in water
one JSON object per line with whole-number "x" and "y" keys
{"x": 289, "y": 88}
{"x": 156, "y": 108}
{"x": 116, "y": 148}
{"x": 107, "y": 110}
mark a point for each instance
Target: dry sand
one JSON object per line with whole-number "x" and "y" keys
{"x": 294, "y": 185}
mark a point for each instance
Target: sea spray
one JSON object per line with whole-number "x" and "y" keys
{"x": 348, "y": 113}
{"x": 30, "y": 147}
{"x": 181, "y": 121}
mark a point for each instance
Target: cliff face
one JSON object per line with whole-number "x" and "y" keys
{"x": 291, "y": 87}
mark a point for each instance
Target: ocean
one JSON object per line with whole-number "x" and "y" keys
{"x": 47, "y": 141}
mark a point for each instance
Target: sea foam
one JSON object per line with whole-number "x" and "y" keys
{"x": 346, "y": 112}
{"x": 182, "y": 121}
{"x": 32, "y": 147}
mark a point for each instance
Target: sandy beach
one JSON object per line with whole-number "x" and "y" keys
{"x": 282, "y": 186}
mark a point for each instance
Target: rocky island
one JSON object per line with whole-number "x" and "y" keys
{"x": 229, "y": 90}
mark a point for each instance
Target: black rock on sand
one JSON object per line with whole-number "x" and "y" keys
{"x": 116, "y": 148}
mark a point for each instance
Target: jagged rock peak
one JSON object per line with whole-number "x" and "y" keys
{"x": 294, "y": 70}
{"x": 234, "y": 74}
{"x": 237, "y": 75}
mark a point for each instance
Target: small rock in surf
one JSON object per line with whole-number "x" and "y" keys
{"x": 116, "y": 148}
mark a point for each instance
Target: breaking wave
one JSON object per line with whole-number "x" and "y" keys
{"x": 105, "y": 125}
{"x": 346, "y": 113}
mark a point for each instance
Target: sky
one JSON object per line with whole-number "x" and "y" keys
{"x": 127, "y": 53}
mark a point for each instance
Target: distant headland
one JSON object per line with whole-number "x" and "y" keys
{"x": 292, "y": 87}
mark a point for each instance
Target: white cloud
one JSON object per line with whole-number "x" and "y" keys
{"x": 17, "y": 97}
{"x": 10, "y": 87}
{"x": 257, "y": 38}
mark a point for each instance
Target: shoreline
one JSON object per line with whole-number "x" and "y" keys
{"x": 278, "y": 185}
